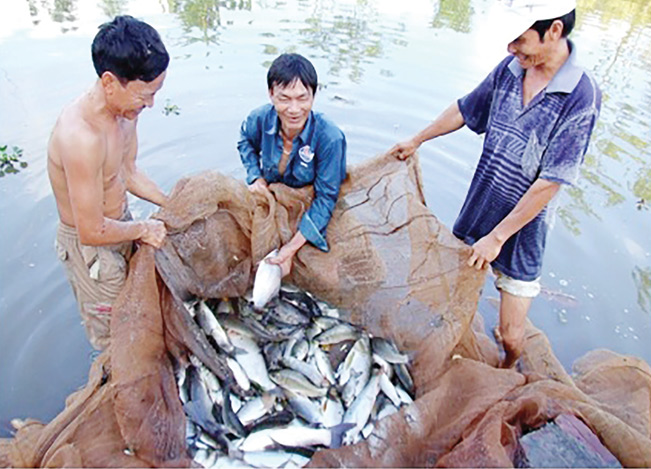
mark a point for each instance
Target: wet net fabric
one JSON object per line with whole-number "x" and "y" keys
{"x": 394, "y": 269}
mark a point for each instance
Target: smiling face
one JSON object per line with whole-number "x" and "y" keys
{"x": 293, "y": 104}
{"x": 528, "y": 49}
{"x": 531, "y": 51}
{"x": 128, "y": 100}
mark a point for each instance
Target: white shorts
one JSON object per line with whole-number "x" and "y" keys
{"x": 521, "y": 288}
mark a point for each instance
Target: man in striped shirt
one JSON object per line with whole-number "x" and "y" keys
{"x": 537, "y": 109}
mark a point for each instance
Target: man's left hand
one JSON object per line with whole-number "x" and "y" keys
{"x": 283, "y": 259}
{"x": 286, "y": 254}
{"x": 484, "y": 252}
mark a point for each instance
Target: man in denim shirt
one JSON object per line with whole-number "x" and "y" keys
{"x": 537, "y": 109}
{"x": 287, "y": 142}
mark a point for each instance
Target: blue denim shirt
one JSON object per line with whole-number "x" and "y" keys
{"x": 318, "y": 157}
{"x": 545, "y": 139}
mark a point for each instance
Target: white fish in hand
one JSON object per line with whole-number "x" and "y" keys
{"x": 267, "y": 281}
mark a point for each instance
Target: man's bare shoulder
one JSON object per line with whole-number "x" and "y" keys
{"x": 75, "y": 137}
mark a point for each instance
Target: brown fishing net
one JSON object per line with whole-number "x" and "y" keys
{"x": 392, "y": 268}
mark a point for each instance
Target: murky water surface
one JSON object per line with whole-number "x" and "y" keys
{"x": 386, "y": 68}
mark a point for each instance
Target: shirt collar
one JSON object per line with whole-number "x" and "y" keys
{"x": 275, "y": 125}
{"x": 565, "y": 79}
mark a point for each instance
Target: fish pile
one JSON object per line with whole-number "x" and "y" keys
{"x": 306, "y": 380}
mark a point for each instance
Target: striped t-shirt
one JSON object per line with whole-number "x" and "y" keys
{"x": 545, "y": 139}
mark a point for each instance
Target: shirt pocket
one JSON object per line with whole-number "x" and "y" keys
{"x": 112, "y": 269}
{"x": 304, "y": 172}
{"x": 532, "y": 157}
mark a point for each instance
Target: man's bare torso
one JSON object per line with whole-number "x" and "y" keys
{"x": 116, "y": 138}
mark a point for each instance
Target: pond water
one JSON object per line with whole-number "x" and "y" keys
{"x": 386, "y": 69}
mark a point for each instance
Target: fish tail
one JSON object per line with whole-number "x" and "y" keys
{"x": 338, "y": 432}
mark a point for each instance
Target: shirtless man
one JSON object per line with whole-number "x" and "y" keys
{"x": 92, "y": 164}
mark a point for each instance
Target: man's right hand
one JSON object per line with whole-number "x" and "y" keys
{"x": 154, "y": 233}
{"x": 259, "y": 185}
{"x": 405, "y": 149}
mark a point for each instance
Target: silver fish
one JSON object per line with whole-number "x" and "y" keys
{"x": 239, "y": 374}
{"x": 402, "y": 372}
{"x": 256, "y": 408}
{"x": 333, "y": 411}
{"x": 404, "y": 395}
{"x": 323, "y": 364}
{"x": 386, "y": 367}
{"x": 326, "y": 322}
{"x": 360, "y": 410}
{"x": 305, "y": 408}
{"x": 293, "y": 435}
{"x": 267, "y": 281}
{"x": 189, "y": 307}
{"x": 389, "y": 390}
{"x": 336, "y": 334}
{"x": 296, "y": 382}
{"x": 290, "y": 348}
{"x": 249, "y": 356}
{"x": 355, "y": 370}
{"x": 229, "y": 416}
{"x": 386, "y": 410}
{"x": 283, "y": 459}
{"x": 308, "y": 370}
{"x": 211, "y": 326}
{"x": 288, "y": 314}
{"x": 388, "y": 350}
{"x": 300, "y": 349}
{"x": 367, "y": 430}
{"x": 327, "y": 310}
{"x": 209, "y": 380}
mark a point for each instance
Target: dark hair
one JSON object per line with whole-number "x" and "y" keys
{"x": 290, "y": 67}
{"x": 568, "y": 21}
{"x": 130, "y": 49}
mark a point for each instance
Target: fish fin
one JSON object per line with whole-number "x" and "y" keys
{"x": 238, "y": 351}
{"x": 306, "y": 451}
{"x": 338, "y": 432}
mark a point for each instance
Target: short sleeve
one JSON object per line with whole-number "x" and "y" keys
{"x": 475, "y": 107}
{"x": 564, "y": 154}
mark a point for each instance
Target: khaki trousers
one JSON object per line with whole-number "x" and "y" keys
{"x": 97, "y": 275}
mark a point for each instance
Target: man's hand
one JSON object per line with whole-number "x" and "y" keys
{"x": 154, "y": 233}
{"x": 484, "y": 252}
{"x": 259, "y": 186}
{"x": 286, "y": 254}
{"x": 283, "y": 259}
{"x": 404, "y": 150}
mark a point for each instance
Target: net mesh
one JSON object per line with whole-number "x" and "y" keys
{"x": 394, "y": 269}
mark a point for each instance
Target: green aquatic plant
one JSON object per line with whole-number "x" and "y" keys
{"x": 10, "y": 160}
{"x": 454, "y": 14}
{"x": 171, "y": 108}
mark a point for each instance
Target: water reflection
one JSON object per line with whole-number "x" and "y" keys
{"x": 112, "y": 8}
{"x": 454, "y": 14}
{"x": 349, "y": 36}
{"x": 356, "y": 40}
{"x": 201, "y": 20}
{"x": 642, "y": 279}
{"x": 60, "y": 11}
{"x": 617, "y": 169}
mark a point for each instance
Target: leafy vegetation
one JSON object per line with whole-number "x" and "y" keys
{"x": 10, "y": 160}
{"x": 171, "y": 108}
